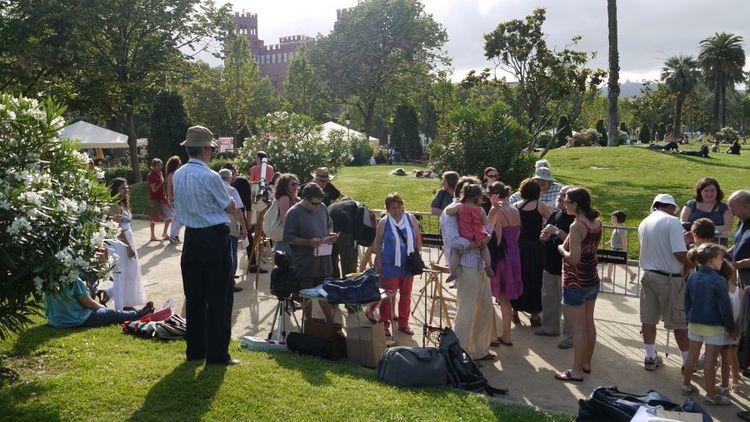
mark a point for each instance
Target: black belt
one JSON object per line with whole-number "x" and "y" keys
{"x": 206, "y": 229}
{"x": 665, "y": 274}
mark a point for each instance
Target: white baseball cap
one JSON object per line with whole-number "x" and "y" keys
{"x": 664, "y": 198}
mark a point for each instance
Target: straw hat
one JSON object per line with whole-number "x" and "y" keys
{"x": 322, "y": 173}
{"x": 199, "y": 136}
{"x": 543, "y": 173}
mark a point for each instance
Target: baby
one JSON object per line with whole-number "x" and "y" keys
{"x": 472, "y": 225}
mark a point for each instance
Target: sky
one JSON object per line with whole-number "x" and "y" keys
{"x": 649, "y": 31}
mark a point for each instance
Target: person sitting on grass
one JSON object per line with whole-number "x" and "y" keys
{"x": 710, "y": 319}
{"x": 472, "y": 225}
{"x": 618, "y": 242}
{"x": 734, "y": 148}
{"x": 73, "y": 307}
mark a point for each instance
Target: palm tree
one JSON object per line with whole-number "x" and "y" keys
{"x": 614, "y": 75}
{"x": 722, "y": 59}
{"x": 680, "y": 74}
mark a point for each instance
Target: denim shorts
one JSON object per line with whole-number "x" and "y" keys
{"x": 720, "y": 340}
{"x": 575, "y": 296}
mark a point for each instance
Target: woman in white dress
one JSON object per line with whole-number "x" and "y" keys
{"x": 127, "y": 287}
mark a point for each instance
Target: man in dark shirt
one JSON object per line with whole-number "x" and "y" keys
{"x": 553, "y": 235}
{"x": 343, "y": 214}
{"x": 739, "y": 204}
{"x": 323, "y": 177}
{"x": 444, "y": 196}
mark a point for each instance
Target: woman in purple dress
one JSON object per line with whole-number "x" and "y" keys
{"x": 506, "y": 284}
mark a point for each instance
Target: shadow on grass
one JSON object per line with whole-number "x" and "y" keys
{"x": 184, "y": 394}
{"x": 35, "y": 337}
{"x": 17, "y": 403}
{"x": 317, "y": 371}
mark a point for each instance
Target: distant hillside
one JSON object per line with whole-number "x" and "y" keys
{"x": 628, "y": 89}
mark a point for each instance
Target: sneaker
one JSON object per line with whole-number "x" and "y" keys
{"x": 175, "y": 240}
{"x": 651, "y": 364}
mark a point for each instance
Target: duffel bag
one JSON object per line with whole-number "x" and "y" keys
{"x": 611, "y": 404}
{"x": 305, "y": 344}
{"x": 361, "y": 289}
{"x": 413, "y": 367}
{"x": 463, "y": 373}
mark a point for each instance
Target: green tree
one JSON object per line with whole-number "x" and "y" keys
{"x": 168, "y": 127}
{"x": 722, "y": 59}
{"x": 563, "y": 131}
{"x": 131, "y": 47}
{"x": 376, "y": 50}
{"x": 614, "y": 75}
{"x": 203, "y": 100}
{"x": 680, "y": 74}
{"x": 246, "y": 94}
{"x": 548, "y": 81}
{"x": 623, "y": 127}
{"x": 304, "y": 91}
{"x": 405, "y": 132}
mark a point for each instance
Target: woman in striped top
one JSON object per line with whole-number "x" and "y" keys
{"x": 580, "y": 280}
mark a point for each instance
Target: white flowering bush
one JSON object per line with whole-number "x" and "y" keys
{"x": 295, "y": 145}
{"x": 52, "y": 211}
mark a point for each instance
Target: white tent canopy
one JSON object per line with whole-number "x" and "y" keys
{"x": 328, "y": 127}
{"x": 93, "y": 136}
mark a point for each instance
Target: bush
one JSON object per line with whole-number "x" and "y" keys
{"x": 405, "y": 133}
{"x": 295, "y": 145}
{"x": 361, "y": 151}
{"x": 727, "y": 135}
{"x": 125, "y": 172}
{"x": 563, "y": 131}
{"x": 242, "y": 134}
{"x": 52, "y": 211}
{"x": 623, "y": 127}
{"x": 622, "y": 139}
{"x": 602, "y": 132}
{"x": 644, "y": 135}
{"x": 217, "y": 164}
{"x": 472, "y": 138}
{"x": 586, "y": 137}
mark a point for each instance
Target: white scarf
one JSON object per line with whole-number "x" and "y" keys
{"x": 403, "y": 225}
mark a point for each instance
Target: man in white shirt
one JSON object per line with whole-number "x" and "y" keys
{"x": 663, "y": 258}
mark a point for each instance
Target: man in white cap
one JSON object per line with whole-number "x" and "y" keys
{"x": 550, "y": 186}
{"x": 204, "y": 207}
{"x": 663, "y": 258}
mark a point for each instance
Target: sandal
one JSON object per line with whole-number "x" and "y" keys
{"x": 688, "y": 389}
{"x": 488, "y": 356}
{"x": 567, "y": 376}
{"x": 717, "y": 400}
{"x": 724, "y": 391}
{"x": 586, "y": 371}
{"x": 504, "y": 342}
{"x": 406, "y": 330}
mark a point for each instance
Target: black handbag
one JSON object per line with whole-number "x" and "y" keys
{"x": 414, "y": 263}
{"x": 463, "y": 373}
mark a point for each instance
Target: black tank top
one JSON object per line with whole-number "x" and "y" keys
{"x": 531, "y": 222}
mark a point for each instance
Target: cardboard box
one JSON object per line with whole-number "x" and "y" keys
{"x": 366, "y": 345}
{"x": 330, "y": 331}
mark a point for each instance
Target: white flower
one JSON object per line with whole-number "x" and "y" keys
{"x": 32, "y": 197}
{"x": 17, "y": 225}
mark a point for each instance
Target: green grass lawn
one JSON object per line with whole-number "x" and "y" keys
{"x": 102, "y": 374}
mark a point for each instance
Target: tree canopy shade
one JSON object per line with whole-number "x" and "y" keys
{"x": 405, "y": 132}
{"x": 129, "y": 47}
{"x": 680, "y": 74}
{"x": 722, "y": 59}
{"x": 377, "y": 48}
{"x": 549, "y": 81}
{"x": 304, "y": 90}
{"x": 168, "y": 127}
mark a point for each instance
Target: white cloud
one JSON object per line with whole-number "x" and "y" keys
{"x": 649, "y": 31}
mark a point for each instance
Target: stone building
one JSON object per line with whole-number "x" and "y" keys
{"x": 273, "y": 59}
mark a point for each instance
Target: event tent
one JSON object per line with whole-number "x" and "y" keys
{"x": 93, "y": 136}
{"x": 328, "y": 127}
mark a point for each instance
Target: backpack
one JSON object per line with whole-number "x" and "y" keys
{"x": 273, "y": 226}
{"x": 463, "y": 373}
{"x": 365, "y": 224}
{"x": 610, "y": 404}
{"x": 404, "y": 366}
{"x": 283, "y": 278}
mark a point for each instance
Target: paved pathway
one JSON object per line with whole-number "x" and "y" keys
{"x": 527, "y": 368}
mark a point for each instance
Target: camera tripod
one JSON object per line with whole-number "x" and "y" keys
{"x": 285, "y": 306}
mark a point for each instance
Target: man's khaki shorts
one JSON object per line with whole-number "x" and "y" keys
{"x": 663, "y": 298}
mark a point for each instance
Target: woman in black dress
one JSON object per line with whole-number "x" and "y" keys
{"x": 533, "y": 214}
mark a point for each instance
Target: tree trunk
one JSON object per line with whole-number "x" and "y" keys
{"x": 133, "y": 147}
{"x": 613, "y": 130}
{"x": 677, "y": 129}
{"x": 717, "y": 100}
{"x": 367, "y": 117}
{"x": 723, "y": 103}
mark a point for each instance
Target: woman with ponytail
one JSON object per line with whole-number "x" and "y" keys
{"x": 580, "y": 280}
{"x": 710, "y": 320}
